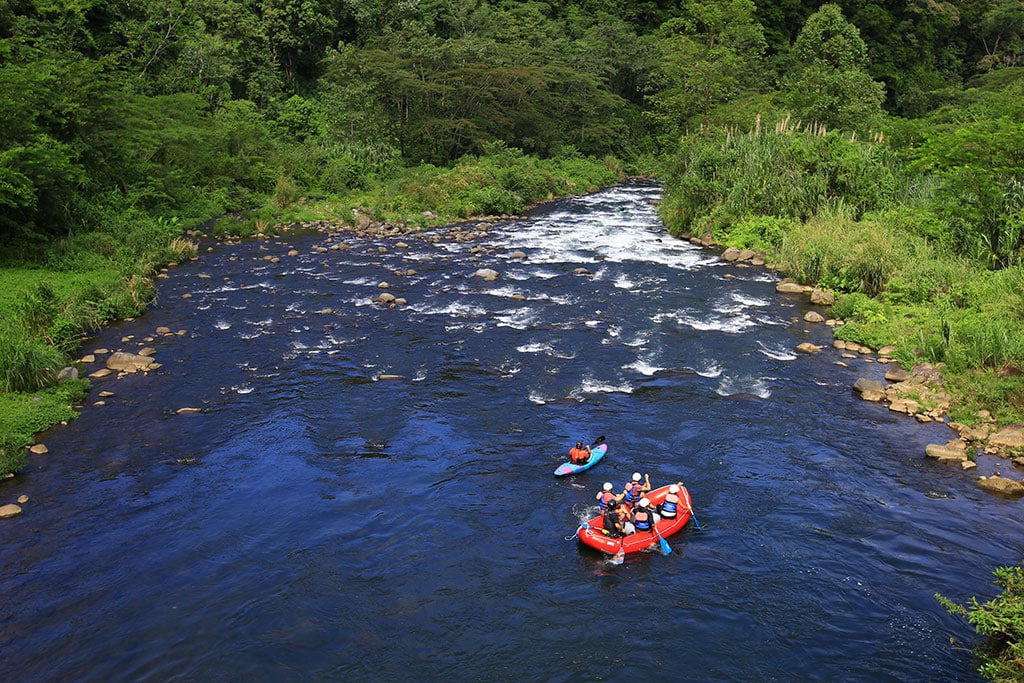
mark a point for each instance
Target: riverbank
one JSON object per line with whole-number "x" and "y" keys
{"x": 992, "y": 452}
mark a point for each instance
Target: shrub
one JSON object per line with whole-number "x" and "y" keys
{"x": 493, "y": 201}
{"x": 1001, "y": 621}
{"x": 841, "y": 254}
{"x": 12, "y": 455}
{"x": 760, "y": 232}
{"x": 343, "y": 173}
{"x": 286, "y": 192}
{"x": 26, "y": 363}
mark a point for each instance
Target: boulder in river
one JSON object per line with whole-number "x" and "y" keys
{"x": 122, "y": 361}
{"x": 1002, "y": 485}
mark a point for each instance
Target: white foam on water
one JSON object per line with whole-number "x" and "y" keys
{"x": 711, "y": 370}
{"x": 747, "y": 300}
{"x": 519, "y": 319}
{"x": 535, "y": 347}
{"x": 222, "y": 325}
{"x": 455, "y": 309}
{"x": 731, "y": 323}
{"x": 503, "y": 292}
{"x": 757, "y": 386}
{"x": 775, "y": 351}
{"x": 590, "y": 385}
{"x": 623, "y": 282}
{"x": 644, "y": 367}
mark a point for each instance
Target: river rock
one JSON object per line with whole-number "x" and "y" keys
{"x": 22, "y": 499}
{"x": 1002, "y": 485}
{"x": 128, "y": 362}
{"x": 822, "y": 297}
{"x": 1008, "y": 437}
{"x": 789, "y": 287}
{"x": 39, "y": 449}
{"x": 385, "y": 298}
{"x": 67, "y": 373}
{"x": 905, "y": 405}
{"x": 731, "y": 254}
{"x": 808, "y": 347}
{"x": 945, "y": 453}
{"x": 487, "y": 274}
{"x": 9, "y": 510}
{"x": 863, "y": 384}
{"x": 897, "y": 374}
{"x": 814, "y": 317}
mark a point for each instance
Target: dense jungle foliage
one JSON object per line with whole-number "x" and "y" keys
{"x": 875, "y": 148}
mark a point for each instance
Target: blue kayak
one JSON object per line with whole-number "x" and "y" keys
{"x": 596, "y": 453}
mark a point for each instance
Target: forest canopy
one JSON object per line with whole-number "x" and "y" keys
{"x": 196, "y": 107}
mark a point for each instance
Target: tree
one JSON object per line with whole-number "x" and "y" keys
{"x": 831, "y": 85}
{"x": 1002, "y": 33}
{"x": 707, "y": 57}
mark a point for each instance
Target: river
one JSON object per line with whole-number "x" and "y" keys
{"x": 319, "y": 519}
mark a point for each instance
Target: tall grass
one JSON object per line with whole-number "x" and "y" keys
{"x": 713, "y": 184}
{"x": 836, "y": 252}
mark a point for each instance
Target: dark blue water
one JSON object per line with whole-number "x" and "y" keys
{"x": 317, "y": 522}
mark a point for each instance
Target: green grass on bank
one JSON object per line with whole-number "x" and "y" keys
{"x": 22, "y": 415}
{"x": 847, "y": 216}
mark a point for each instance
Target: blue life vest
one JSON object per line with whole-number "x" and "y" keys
{"x": 668, "y": 508}
{"x": 634, "y": 492}
{"x": 605, "y": 497}
{"x": 642, "y": 524}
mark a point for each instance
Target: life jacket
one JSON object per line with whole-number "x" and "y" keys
{"x": 669, "y": 506}
{"x": 603, "y": 498}
{"x": 642, "y": 520}
{"x": 633, "y": 494}
{"x": 577, "y": 455}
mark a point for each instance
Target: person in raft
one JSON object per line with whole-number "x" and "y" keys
{"x": 669, "y": 508}
{"x": 611, "y": 521}
{"x": 579, "y": 455}
{"x": 605, "y": 496}
{"x": 635, "y": 490}
{"x": 643, "y": 517}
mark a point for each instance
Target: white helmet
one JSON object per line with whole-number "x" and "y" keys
{"x": 674, "y": 488}
{"x": 636, "y": 476}
{"x": 644, "y": 502}
{"x": 607, "y": 486}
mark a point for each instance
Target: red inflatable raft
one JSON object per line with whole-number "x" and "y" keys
{"x": 592, "y": 533}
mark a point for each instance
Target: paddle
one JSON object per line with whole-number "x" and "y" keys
{"x": 618, "y": 557}
{"x": 693, "y": 516}
{"x": 665, "y": 547}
